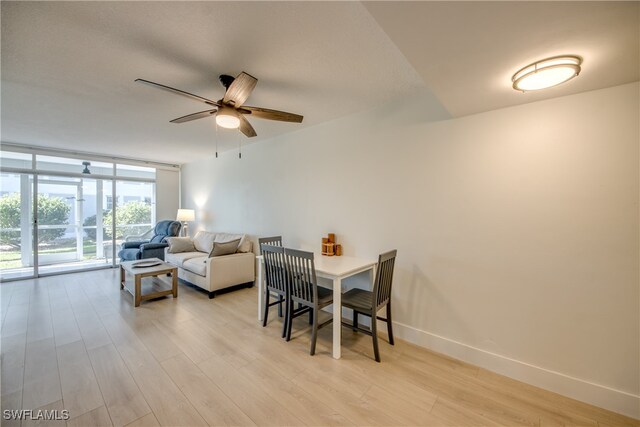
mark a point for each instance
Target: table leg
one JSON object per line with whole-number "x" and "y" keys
{"x": 337, "y": 317}
{"x": 122, "y": 277}
{"x": 260, "y": 289}
{"x": 137, "y": 290}
{"x": 174, "y": 278}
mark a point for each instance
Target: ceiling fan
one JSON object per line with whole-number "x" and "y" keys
{"x": 230, "y": 111}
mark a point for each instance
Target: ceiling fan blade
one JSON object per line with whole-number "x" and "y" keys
{"x": 194, "y": 116}
{"x": 240, "y": 89}
{"x": 265, "y": 113}
{"x": 178, "y": 91}
{"x": 246, "y": 128}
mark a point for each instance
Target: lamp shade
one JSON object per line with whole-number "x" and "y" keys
{"x": 186, "y": 215}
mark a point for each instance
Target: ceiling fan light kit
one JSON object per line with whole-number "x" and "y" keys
{"x": 547, "y": 73}
{"x": 227, "y": 118}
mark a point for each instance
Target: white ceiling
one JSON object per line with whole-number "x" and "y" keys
{"x": 68, "y": 67}
{"x": 68, "y": 70}
{"x": 466, "y": 52}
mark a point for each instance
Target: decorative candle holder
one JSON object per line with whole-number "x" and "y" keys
{"x": 329, "y": 246}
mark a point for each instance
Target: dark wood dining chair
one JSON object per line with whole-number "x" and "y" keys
{"x": 369, "y": 303}
{"x": 276, "y": 281}
{"x": 304, "y": 290}
{"x": 273, "y": 241}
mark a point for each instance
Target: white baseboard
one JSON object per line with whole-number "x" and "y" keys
{"x": 585, "y": 391}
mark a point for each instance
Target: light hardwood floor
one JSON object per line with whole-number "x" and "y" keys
{"x": 76, "y": 342}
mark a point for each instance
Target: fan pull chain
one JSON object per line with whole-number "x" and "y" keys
{"x": 239, "y": 145}
{"x": 216, "y": 139}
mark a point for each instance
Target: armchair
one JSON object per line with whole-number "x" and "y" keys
{"x": 154, "y": 247}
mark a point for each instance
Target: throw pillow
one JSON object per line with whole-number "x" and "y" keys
{"x": 180, "y": 244}
{"x": 203, "y": 241}
{"x": 226, "y": 248}
{"x": 245, "y": 244}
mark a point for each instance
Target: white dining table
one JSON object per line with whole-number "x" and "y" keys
{"x": 334, "y": 268}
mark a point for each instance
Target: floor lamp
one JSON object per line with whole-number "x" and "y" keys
{"x": 183, "y": 216}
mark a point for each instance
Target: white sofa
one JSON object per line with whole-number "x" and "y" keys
{"x": 212, "y": 274}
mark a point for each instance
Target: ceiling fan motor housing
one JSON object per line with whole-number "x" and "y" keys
{"x": 226, "y": 80}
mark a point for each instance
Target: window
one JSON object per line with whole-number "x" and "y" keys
{"x": 130, "y": 171}
{"x": 10, "y": 159}
{"x": 76, "y": 211}
{"x": 134, "y": 215}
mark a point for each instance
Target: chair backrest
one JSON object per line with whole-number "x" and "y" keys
{"x": 302, "y": 276}
{"x": 384, "y": 278}
{"x": 273, "y": 241}
{"x": 164, "y": 229}
{"x": 274, "y": 267}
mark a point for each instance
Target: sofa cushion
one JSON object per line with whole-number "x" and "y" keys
{"x": 226, "y": 248}
{"x": 203, "y": 241}
{"x": 180, "y": 257}
{"x": 197, "y": 265}
{"x": 245, "y": 243}
{"x": 180, "y": 244}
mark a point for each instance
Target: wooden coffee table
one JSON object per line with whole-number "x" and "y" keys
{"x": 138, "y": 270}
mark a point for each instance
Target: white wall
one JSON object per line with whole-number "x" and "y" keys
{"x": 167, "y": 193}
{"x": 517, "y": 230}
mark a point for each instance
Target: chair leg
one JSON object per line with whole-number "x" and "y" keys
{"x": 374, "y": 335}
{"x": 310, "y": 318}
{"x": 314, "y": 331}
{"x": 266, "y": 308}
{"x": 285, "y": 322}
{"x": 289, "y": 319}
{"x": 355, "y": 320}
{"x": 389, "y": 326}
{"x": 280, "y": 300}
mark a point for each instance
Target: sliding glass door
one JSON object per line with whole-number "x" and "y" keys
{"x": 16, "y": 226}
{"x": 73, "y": 226}
{"x": 61, "y": 214}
